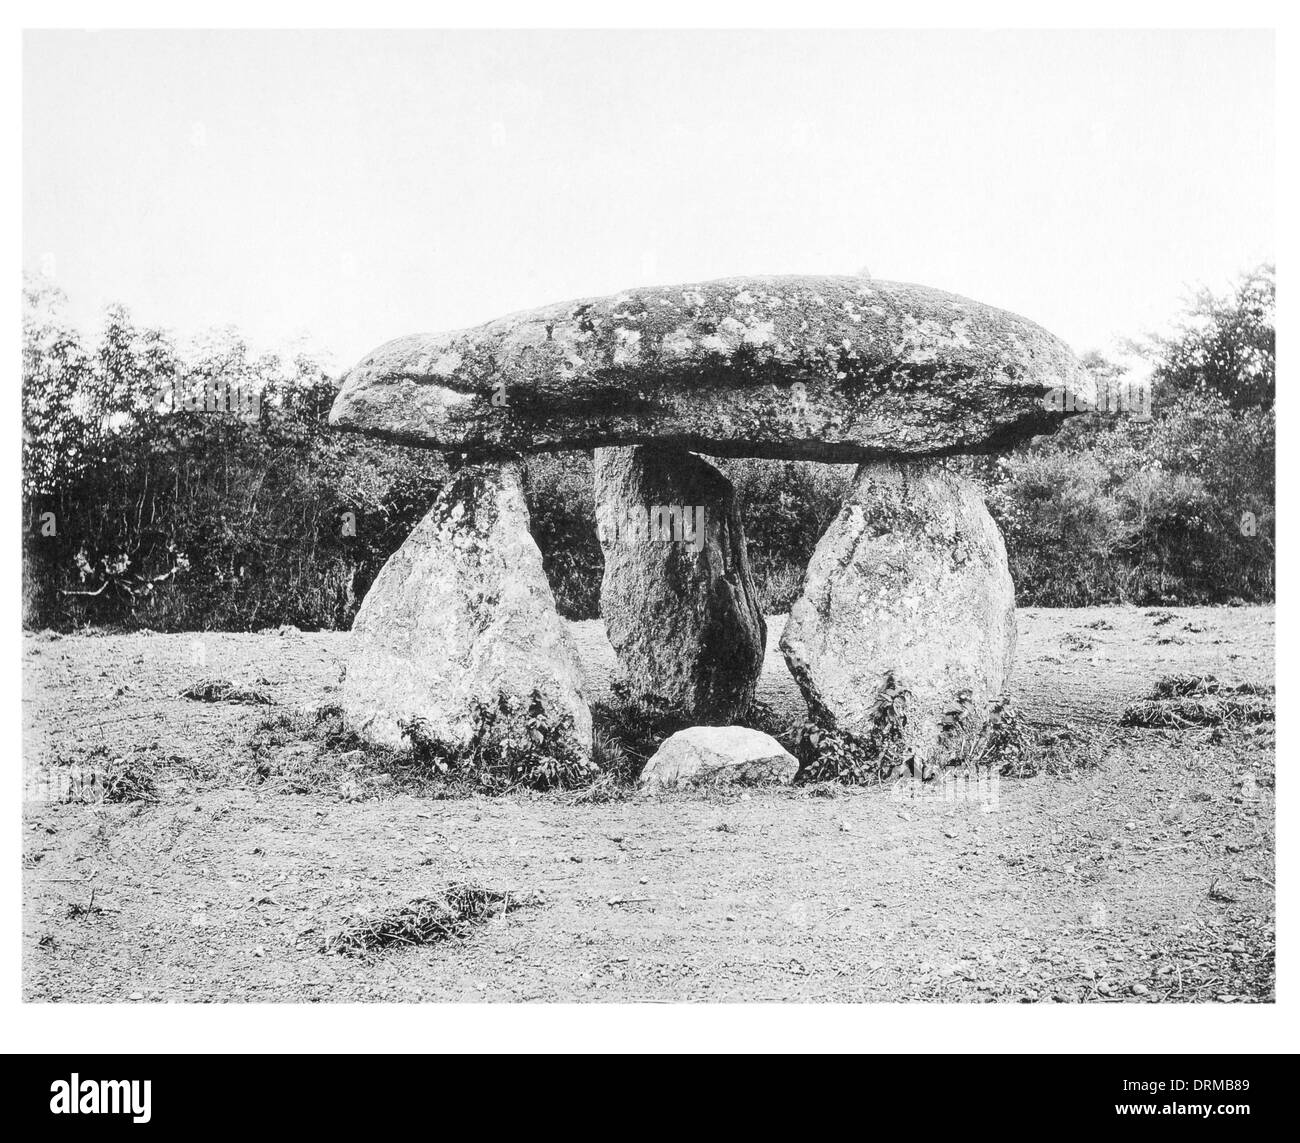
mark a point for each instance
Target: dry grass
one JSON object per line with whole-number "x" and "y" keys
{"x": 1179, "y": 686}
{"x": 608, "y": 787}
{"x": 99, "y": 776}
{"x": 426, "y": 920}
{"x": 1178, "y": 702}
{"x": 311, "y": 752}
{"x": 1059, "y": 751}
{"x": 223, "y": 690}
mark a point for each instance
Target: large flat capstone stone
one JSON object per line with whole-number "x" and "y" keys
{"x": 840, "y": 369}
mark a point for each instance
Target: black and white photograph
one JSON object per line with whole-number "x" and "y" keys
{"x": 744, "y": 518}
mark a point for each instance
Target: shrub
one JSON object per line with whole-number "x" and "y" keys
{"x": 139, "y": 513}
{"x": 544, "y": 755}
{"x": 787, "y": 507}
{"x": 562, "y": 517}
{"x": 830, "y": 754}
{"x": 1142, "y": 513}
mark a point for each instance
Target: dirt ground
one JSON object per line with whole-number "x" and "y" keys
{"x": 1147, "y": 879}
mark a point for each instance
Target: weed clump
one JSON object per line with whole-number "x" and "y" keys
{"x": 831, "y": 754}
{"x": 98, "y": 776}
{"x": 541, "y": 754}
{"x": 629, "y": 729}
{"x": 316, "y": 751}
{"x": 999, "y": 741}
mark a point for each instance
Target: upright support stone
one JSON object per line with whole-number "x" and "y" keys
{"x": 677, "y": 597}
{"x": 911, "y": 578}
{"x": 462, "y": 614}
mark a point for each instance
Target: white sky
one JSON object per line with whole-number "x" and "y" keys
{"x": 348, "y": 187}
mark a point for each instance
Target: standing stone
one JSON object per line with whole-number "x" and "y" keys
{"x": 461, "y": 613}
{"x": 911, "y": 578}
{"x": 677, "y": 597}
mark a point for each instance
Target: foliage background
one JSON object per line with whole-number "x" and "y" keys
{"x": 140, "y": 514}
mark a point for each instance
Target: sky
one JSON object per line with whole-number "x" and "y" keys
{"x": 337, "y": 189}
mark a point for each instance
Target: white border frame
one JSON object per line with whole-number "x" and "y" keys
{"x": 893, "y": 1028}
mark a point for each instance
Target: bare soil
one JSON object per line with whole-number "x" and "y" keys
{"x": 1148, "y": 878}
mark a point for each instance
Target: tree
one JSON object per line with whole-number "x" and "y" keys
{"x": 155, "y": 492}
{"x": 1223, "y": 345}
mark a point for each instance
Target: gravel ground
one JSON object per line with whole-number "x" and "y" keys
{"x": 1147, "y": 879}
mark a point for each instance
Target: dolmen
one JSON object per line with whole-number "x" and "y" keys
{"x": 909, "y": 581}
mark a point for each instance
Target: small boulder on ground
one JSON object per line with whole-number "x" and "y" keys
{"x": 719, "y": 754}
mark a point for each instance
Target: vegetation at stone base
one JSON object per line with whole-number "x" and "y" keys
{"x": 826, "y": 753}
{"x": 138, "y": 513}
{"x": 315, "y": 752}
{"x": 542, "y": 754}
{"x": 452, "y": 914}
{"x": 627, "y": 730}
{"x": 1183, "y": 701}
{"x": 311, "y": 752}
{"x": 998, "y": 741}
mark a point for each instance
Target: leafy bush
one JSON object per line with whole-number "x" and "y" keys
{"x": 831, "y": 754}
{"x": 1176, "y": 510}
{"x": 544, "y": 755}
{"x": 787, "y": 507}
{"x": 1182, "y": 506}
{"x": 140, "y": 511}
